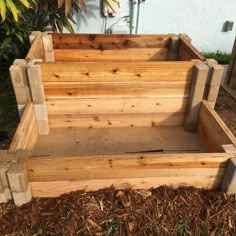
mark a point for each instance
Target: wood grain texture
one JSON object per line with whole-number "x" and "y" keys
{"x": 124, "y": 166}
{"x": 104, "y": 41}
{"x": 56, "y": 188}
{"x": 122, "y": 140}
{"x": 141, "y": 54}
{"x": 117, "y": 120}
{"x": 187, "y": 51}
{"x": 36, "y": 50}
{"x": 213, "y": 130}
{"x": 116, "y": 105}
{"x": 116, "y": 71}
{"x": 24, "y": 130}
{"x": 73, "y": 90}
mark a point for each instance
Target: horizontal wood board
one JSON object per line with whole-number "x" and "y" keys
{"x": 141, "y": 54}
{"x": 104, "y": 41}
{"x": 213, "y": 130}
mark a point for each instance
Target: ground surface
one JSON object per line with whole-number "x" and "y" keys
{"x": 226, "y": 108}
{"x": 162, "y": 211}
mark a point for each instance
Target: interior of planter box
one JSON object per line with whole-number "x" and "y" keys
{"x": 136, "y": 103}
{"x": 104, "y": 141}
{"x": 87, "y": 47}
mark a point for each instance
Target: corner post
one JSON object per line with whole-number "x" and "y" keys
{"x": 213, "y": 81}
{"x": 173, "y": 48}
{"x": 48, "y": 47}
{"x": 200, "y": 73}
{"x": 38, "y": 96}
{"x": 19, "y": 183}
{"x": 20, "y": 84}
{"x": 5, "y": 192}
{"x": 228, "y": 184}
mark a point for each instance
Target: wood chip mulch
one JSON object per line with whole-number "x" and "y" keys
{"x": 161, "y": 211}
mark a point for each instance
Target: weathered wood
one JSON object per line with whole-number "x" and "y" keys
{"x": 140, "y": 54}
{"x": 188, "y": 52}
{"x": 21, "y": 198}
{"x": 124, "y": 166}
{"x": 213, "y": 82}
{"x": 117, "y": 120}
{"x": 17, "y": 177}
{"x": 104, "y": 41}
{"x": 73, "y": 90}
{"x": 24, "y": 130}
{"x": 213, "y": 130}
{"x": 38, "y": 96}
{"x": 48, "y": 47}
{"x": 228, "y": 183}
{"x": 116, "y": 71}
{"x": 200, "y": 74}
{"x": 173, "y": 48}
{"x": 114, "y": 105}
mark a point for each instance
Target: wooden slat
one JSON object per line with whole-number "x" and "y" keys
{"x": 56, "y": 90}
{"x": 24, "y": 130}
{"x": 141, "y": 54}
{"x": 56, "y": 188}
{"x": 33, "y": 138}
{"x": 123, "y": 166}
{"x": 188, "y": 52}
{"x": 116, "y": 105}
{"x": 116, "y": 120}
{"x": 116, "y": 71}
{"x": 36, "y": 50}
{"x": 104, "y": 41}
{"x": 213, "y": 130}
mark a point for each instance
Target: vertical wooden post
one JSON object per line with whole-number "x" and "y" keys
{"x": 228, "y": 183}
{"x": 48, "y": 47}
{"x": 19, "y": 183}
{"x": 38, "y": 96}
{"x": 200, "y": 73}
{"x": 173, "y": 48}
{"x": 5, "y": 193}
{"x": 20, "y": 84}
{"x": 213, "y": 81}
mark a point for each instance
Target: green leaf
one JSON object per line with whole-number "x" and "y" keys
{"x": 25, "y": 3}
{"x": 67, "y": 6}
{"x": 13, "y": 9}
{"x": 5, "y": 42}
{"x": 20, "y": 37}
{"x": 3, "y": 9}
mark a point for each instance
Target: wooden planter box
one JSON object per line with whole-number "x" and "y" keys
{"x": 124, "y": 110}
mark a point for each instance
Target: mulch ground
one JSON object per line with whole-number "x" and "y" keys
{"x": 161, "y": 211}
{"x": 226, "y": 108}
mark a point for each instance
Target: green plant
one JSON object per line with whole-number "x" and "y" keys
{"x": 181, "y": 230}
{"x": 15, "y": 7}
{"x": 57, "y": 14}
{"x": 14, "y": 41}
{"x": 112, "y": 227}
{"x": 221, "y": 57}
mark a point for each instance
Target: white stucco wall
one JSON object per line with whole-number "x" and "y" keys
{"x": 202, "y": 19}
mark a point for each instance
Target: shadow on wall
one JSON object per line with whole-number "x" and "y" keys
{"x": 83, "y": 17}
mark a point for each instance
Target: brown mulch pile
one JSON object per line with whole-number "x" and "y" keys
{"x": 226, "y": 108}
{"x": 161, "y": 211}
